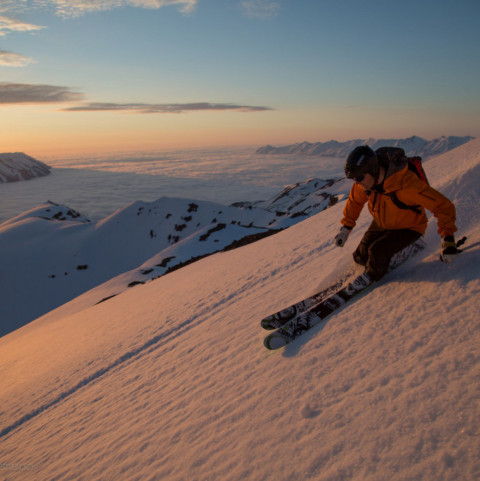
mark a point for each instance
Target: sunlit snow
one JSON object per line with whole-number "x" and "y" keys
{"x": 169, "y": 380}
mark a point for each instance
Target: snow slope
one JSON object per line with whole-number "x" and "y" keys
{"x": 170, "y": 380}
{"x": 19, "y": 166}
{"x": 51, "y": 254}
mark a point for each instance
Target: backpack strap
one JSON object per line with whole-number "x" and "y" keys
{"x": 402, "y": 205}
{"x": 390, "y": 155}
{"x": 414, "y": 165}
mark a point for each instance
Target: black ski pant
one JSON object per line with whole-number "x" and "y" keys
{"x": 378, "y": 246}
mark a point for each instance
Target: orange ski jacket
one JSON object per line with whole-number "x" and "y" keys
{"x": 410, "y": 190}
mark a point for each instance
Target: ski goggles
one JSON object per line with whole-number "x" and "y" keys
{"x": 359, "y": 178}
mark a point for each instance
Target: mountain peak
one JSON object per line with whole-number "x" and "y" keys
{"x": 413, "y": 145}
{"x": 15, "y": 166}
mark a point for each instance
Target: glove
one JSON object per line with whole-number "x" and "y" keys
{"x": 449, "y": 249}
{"x": 342, "y": 236}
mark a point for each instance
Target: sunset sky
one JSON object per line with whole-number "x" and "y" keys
{"x": 110, "y": 75}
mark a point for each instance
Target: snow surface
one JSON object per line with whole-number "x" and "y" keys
{"x": 51, "y": 254}
{"x": 19, "y": 166}
{"x": 170, "y": 379}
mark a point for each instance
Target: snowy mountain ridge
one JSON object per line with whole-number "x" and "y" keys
{"x": 68, "y": 255}
{"x": 170, "y": 380}
{"x": 19, "y": 166}
{"x": 412, "y": 145}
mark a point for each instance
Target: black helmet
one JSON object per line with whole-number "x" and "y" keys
{"x": 361, "y": 160}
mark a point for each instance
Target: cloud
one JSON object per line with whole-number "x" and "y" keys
{"x": 10, "y": 59}
{"x": 77, "y": 8}
{"x": 260, "y": 8}
{"x": 8, "y": 25}
{"x": 185, "y": 6}
{"x": 13, "y": 93}
{"x": 163, "y": 108}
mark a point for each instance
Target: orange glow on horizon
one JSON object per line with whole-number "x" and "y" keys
{"x": 43, "y": 131}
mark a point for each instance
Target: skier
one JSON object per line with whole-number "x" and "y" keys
{"x": 397, "y": 199}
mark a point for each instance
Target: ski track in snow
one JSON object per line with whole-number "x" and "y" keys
{"x": 159, "y": 340}
{"x": 149, "y": 346}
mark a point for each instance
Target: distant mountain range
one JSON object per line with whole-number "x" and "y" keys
{"x": 19, "y": 166}
{"x": 412, "y": 146}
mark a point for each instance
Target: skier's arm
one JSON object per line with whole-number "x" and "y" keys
{"x": 441, "y": 207}
{"x": 444, "y": 210}
{"x": 353, "y": 208}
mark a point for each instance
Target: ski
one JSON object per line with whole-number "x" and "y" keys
{"x": 274, "y": 321}
{"x": 303, "y": 322}
{"x": 277, "y": 320}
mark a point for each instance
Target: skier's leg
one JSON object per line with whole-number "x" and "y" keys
{"x": 361, "y": 254}
{"x": 383, "y": 248}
